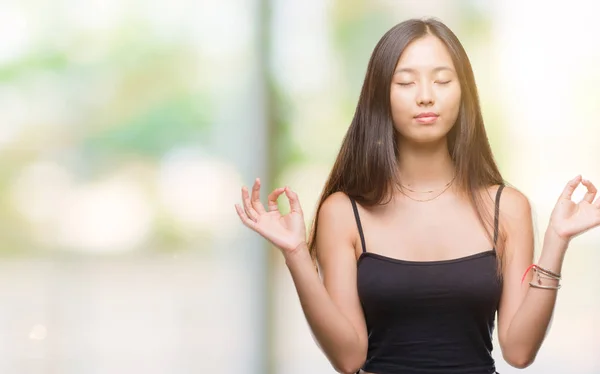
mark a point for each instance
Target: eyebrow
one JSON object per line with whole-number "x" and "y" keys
{"x": 435, "y": 70}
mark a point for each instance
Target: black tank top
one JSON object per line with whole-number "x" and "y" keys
{"x": 429, "y": 317}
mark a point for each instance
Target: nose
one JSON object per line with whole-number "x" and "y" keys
{"x": 425, "y": 96}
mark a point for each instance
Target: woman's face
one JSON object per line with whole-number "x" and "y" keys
{"x": 425, "y": 93}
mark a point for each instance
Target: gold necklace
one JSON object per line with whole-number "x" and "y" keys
{"x": 429, "y": 191}
{"x": 431, "y": 198}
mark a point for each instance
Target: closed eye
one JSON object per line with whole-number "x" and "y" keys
{"x": 443, "y": 82}
{"x": 405, "y": 84}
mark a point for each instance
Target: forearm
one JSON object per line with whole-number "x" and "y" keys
{"x": 333, "y": 331}
{"x": 530, "y": 323}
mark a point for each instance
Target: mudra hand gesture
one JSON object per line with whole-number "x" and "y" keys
{"x": 570, "y": 219}
{"x": 287, "y": 232}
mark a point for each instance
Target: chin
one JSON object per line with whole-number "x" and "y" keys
{"x": 428, "y": 141}
{"x": 426, "y": 137}
{"x": 423, "y": 134}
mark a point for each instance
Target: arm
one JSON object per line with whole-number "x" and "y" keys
{"x": 332, "y": 307}
{"x": 525, "y": 312}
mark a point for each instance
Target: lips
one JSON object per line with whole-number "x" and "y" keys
{"x": 426, "y": 118}
{"x": 426, "y": 115}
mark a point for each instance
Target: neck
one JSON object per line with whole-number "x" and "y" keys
{"x": 425, "y": 166}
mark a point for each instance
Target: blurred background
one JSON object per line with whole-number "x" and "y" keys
{"x": 127, "y": 128}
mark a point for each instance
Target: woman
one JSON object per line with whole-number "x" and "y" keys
{"x": 418, "y": 242}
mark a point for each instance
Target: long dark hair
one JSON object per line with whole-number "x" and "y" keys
{"x": 366, "y": 166}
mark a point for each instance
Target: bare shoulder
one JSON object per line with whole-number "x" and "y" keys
{"x": 512, "y": 201}
{"x": 514, "y": 205}
{"x": 516, "y": 221}
{"x": 336, "y": 205}
{"x": 336, "y": 222}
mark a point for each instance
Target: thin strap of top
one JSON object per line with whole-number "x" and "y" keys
{"x": 497, "y": 214}
{"x": 360, "y": 230}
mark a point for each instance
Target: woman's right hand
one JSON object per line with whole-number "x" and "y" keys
{"x": 287, "y": 232}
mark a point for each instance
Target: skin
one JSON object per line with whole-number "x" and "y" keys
{"x": 424, "y": 81}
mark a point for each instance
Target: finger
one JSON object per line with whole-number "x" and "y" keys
{"x": 250, "y": 212}
{"x": 245, "y": 220}
{"x": 570, "y": 188}
{"x": 294, "y": 202}
{"x": 272, "y": 199}
{"x": 256, "y": 204}
{"x": 590, "y": 195}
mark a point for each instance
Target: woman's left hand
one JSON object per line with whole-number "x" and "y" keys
{"x": 570, "y": 219}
